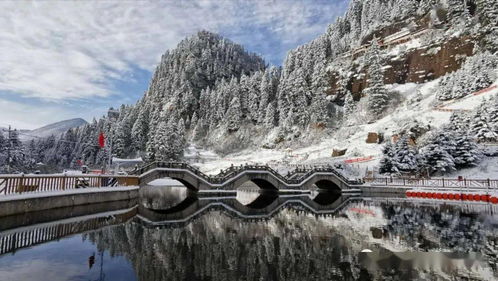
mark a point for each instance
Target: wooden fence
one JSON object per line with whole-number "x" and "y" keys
{"x": 441, "y": 183}
{"x": 16, "y": 184}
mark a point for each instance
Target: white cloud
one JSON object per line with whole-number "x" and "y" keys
{"x": 66, "y": 50}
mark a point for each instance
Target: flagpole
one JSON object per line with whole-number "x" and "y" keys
{"x": 110, "y": 149}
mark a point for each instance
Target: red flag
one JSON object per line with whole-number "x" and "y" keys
{"x": 101, "y": 140}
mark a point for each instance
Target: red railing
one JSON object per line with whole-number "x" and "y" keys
{"x": 438, "y": 182}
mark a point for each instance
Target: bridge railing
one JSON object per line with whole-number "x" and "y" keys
{"x": 17, "y": 184}
{"x": 232, "y": 171}
{"x": 436, "y": 182}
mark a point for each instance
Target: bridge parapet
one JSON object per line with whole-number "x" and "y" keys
{"x": 233, "y": 172}
{"x": 21, "y": 183}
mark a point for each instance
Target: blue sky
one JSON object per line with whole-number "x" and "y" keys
{"x": 69, "y": 59}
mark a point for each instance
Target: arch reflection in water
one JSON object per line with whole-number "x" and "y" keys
{"x": 325, "y": 197}
{"x": 262, "y": 207}
{"x": 165, "y": 194}
{"x": 255, "y": 196}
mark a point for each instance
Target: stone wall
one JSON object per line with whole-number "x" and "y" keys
{"x": 16, "y": 204}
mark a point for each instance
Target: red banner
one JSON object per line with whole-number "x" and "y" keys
{"x": 101, "y": 140}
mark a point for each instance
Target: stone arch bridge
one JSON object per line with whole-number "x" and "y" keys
{"x": 266, "y": 178}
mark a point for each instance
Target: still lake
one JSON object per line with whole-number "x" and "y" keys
{"x": 252, "y": 236}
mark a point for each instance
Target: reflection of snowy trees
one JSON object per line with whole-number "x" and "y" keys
{"x": 291, "y": 246}
{"x": 288, "y": 247}
{"x": 442, "y": 228}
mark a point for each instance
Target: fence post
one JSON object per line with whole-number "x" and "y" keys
{"x": 20, "y": 186}
{"x": 443, "y": 182}
{"x": 64, "y": 182}
{"x": 386, "y": 181}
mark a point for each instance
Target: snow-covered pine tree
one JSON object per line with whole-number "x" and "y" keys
{"x": 493, "y": 114}
{"x": 270, "y": 115}
{"x": 233, "y": 116}
{"x": 386, "y": 165}
{"x": 438, "y": 153}
{"x": 3, "y": 152}
{"x": 194, "y": 120}
{"x": 349, "y": 104}
{"x": 180, "y": 141}
{"x": 466, "y": 152}
{"x": 489, "y": 18}
{"x": 161, "y": 151}
{"x": 459, "y": 122}
{"x": 405, "y": 159}
{"x": 456, "y": 9}
{"x": 254, "y": 96}
{"x": 480, "y": 129}
{"x": 477, "y": 73}
{"x": 266, "y": 92}
{"x": 489, "y": 12}
{"x": 319, "y": 111}
{"x": 378, "y": 97}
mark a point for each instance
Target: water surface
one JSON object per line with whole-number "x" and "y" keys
{"x": 256, "y": 237}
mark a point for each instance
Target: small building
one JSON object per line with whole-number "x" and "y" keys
{"x": 125, "y": 165}
{"x": 113, "y": 113}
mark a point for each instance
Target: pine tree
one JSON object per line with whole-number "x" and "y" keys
{"x": 378, "y": 97}
{"x": 493, "y": 115}
{"x": 319, "y": 109}
{"x": 198, "y": 131}
{"x": 161, "y": 150}
{"x": 140, "y": 128}
{"x": 266, "y": 92}
{"x": 466, "y": 152}
{"x": 405, "y": 157}
{"x": 270, "y": 115}
{"x": 438, "y": 153}
{"x": 387, "y": 161}
{"x": 480, "y": 129}
{"x": 194, "y": 120}
{"x": 459, "y": 122}
{"x": 181, "y": 141}
{"x": 349, "y": 104}
{"x": 234, "y": 115}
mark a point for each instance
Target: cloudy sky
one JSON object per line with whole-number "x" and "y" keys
{"x": 69, "y": 59}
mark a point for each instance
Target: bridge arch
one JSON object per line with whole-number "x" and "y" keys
{"x": 188, "y": 182}
{"x": 264, "y": 184}
{"x": 328, "y": 185}
{"x": 262, "y": 176}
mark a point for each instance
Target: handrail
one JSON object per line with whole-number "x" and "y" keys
{"x": 434, "y": 182}
{"x": 234, "y": 170}
{"x": 16, "y": 184}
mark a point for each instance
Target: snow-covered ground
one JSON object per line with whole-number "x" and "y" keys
{"x": 418, "y": 105}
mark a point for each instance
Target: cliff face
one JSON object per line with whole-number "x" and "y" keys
{"x": 423, "y": 46}
{"x": 415, "y": 66}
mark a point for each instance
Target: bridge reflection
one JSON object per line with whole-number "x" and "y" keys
{"x": 251, "y": 205}
{"x": 30, "y": 229}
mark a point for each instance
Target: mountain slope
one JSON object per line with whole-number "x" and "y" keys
{"x": 211, "y": 92}
{"x": 55, "y": 129}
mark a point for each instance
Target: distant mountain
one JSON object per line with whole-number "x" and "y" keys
{"x": 52, "y": 129}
